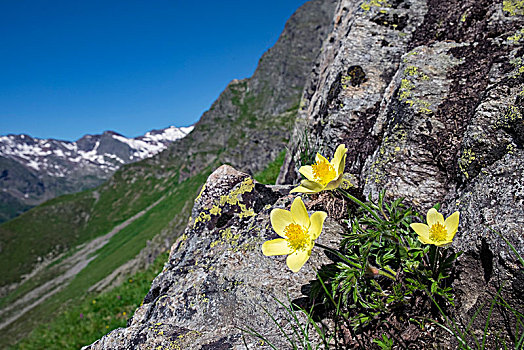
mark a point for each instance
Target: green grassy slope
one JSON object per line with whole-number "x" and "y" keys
{"x": 268, "y": 176}
{"x": 67, "y": 221}
{"x": 121, "y": 248}
{"x": 95, "y": 315}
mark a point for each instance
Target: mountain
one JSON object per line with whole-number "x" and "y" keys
{"x": 34, "y": 170}
{"x": 55, "y": 253}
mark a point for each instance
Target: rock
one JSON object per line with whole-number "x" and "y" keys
{"x": 430, "y": 107}
{"x": 217, "y": 280}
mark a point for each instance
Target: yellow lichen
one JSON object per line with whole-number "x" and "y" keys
{"x": 202, "y": 217}
{"x": 513, "y": 7}
{"x": 184, "y": 340}
{"x": 390, "y": 146}
{"x": 244, "y": 212}
{"x": 345, "y": 81}
{"x": 519, "y": 67}
{"x": 215, "y": 210}
{"x": 405, "y": 89}
{"x": 226, "y": 237}
{"x": 411, "y": 70}
{"x": 367, "y": 5}
{"x": 233, "y": 198}
{"x": 511, "y": 115}
{"x": 515, "y": 38}
{"x": 407, "y": 85}
{"x": 465, "y": 160}
{"x": 201, "y": 191}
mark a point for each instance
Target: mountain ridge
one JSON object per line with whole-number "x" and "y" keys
{"x": 45, "y": 168}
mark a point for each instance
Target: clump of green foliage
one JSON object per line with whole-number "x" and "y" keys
{"x": 381, "y": 268}
{"x": 96, "y": 315}
{"x": 382, "y": 278}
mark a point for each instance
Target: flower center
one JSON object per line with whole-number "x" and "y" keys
{"x": 323, "y": 172}
{"x": 297, "y": 237}
{"x": 437, "y": 232}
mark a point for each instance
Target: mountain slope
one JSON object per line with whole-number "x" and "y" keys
{"x": 248, "y": 126}
{"x": 34, "y": 170}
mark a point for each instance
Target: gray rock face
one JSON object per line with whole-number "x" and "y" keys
{"x": 216, "y": 279}
{"x": 427, "y": 95}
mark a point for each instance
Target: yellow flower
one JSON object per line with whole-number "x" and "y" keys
{"x": 323, "y": 175}
{"x": 298, "y": 232}
{"x": 437, "y": 231}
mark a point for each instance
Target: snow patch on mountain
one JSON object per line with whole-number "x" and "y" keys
{"x": 106, "y": 152}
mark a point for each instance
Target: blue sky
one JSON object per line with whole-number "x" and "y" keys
{"x": 70, "y": 68}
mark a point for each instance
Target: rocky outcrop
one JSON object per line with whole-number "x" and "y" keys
{"x": 217, "y": 281}
{"x": 428, "y": 97}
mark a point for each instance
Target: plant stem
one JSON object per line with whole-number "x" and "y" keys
{"x": 360, "y": 203}
{"x": 435, "y": 260}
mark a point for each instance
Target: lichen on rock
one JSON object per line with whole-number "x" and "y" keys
{"x": 216, "y": 279}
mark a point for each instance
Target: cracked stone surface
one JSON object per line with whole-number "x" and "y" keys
{"x": 217, "y": 280}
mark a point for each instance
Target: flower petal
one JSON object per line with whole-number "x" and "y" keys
{"x": 280, "y": 219}
{"x": 296, "y": 260}
{"x": 341, "y": 165}
{"x": 334, "y": 183}
{"x": 307, "y": 171}
{"x": 277, "y": 246}
{"x": 433, "y": 217}
{"x": 320, "y": 158}
{"x": 299, "y": 213}
{"x": 425, "y": 241}
{"x": 308, "y": 187}
{"x": 317, "y": 221}
{"x": 339, "y": 160}
{"x": 422, "y": 230}
{"x": 451, "y": 224}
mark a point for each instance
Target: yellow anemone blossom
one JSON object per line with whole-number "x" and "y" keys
{"x": 323, "y": 175}
{"x": 438, "y": 231}
{"x": 298, "y": 232}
